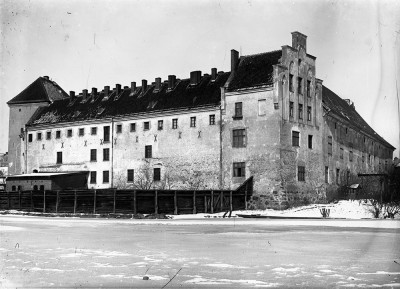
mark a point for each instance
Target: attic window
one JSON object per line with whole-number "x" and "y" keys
{"x": 152, "y": 104}
{"x": 100, "y": 110}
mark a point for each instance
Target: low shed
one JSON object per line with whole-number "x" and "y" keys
{"x": 47, "y": 181}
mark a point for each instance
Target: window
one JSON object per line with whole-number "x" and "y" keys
{"x": 30, "y": 137}
{"x": 160, "y": 125}
{"x": 133, "y": 127}
{"x": 239, "y": 170}
{"x": 119, "y": 128}
{"x": 337, "y": 176}
{"x": 212, "y": 119}
{"x": 59, "y": 157}
{"x": 310, "y": 141}
{"x": 13, "y": 188}
{"x": 363, "y": 158}
{"x": 329, "y": 145}
{"x": 239, "y": 138}
{"x": 291, "y": 106}
{"x": 106, "y": 133}
{"x": 106, "y": 177}
{"x": 350, "y": 156}
{"x": 308, "y": 88}
{"x": 300, "y": 85}
{"x": 262, "y": 107}
{"x": 69, "y": 133}
{"x": 48, "y": 135}
{"x": 327, "y": 175}
{"x": 148, "y": 152}
{"x": 238, "y": 110}
{"x": 301, "y": 172}
{"x": 300, "y": 111}
{"x": 58, "y": 134}
{"x": 295, "y": 138}
{"x": 41, "y": 187}
{"x": 81, "y": 132}
{"x": 309, "y": 113}
{"x": 157, "y": 174}
{"x": 146, "y": 125}
{"x": 93, "y": 131}
{"x": 130, "y": 176}
{"x": 93, "y": 177}
{"x": 35, "y": 187}
{"x": 193, "y": 121}
{"x": 291, "y": 88}
{"x": 106, "y": 154}
{"x": 174, "y": 123}
{"x": 341, "y": 153}
{"x": 39, "y": 136}
{"x": 93, "y": 155}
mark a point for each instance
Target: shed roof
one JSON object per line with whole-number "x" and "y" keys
{"x": 44, "y": 175}
{"x": 42, "y": 89}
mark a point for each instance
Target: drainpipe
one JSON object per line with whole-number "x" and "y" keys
{"x": 26, "y": 149}
{"x": 112, "y": 152}
{"x": 220, "y": 150}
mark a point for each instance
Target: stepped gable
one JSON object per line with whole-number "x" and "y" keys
{"x": 347, "y": 111}
{"x": 182, "y": 95}
{"x": 41, "y": 90}
{"x": 255, "y": 70}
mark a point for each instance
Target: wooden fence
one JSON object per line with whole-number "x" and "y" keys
{"x": 106, "y": 201}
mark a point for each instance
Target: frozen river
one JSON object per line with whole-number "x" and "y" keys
{"x": 206, "y": 253}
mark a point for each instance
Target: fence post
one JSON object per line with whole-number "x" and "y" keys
{"x": 32, "y": 207}
{"x": 245, "y": 198}
{"x": 230, "y": 202}
{"x": 175, "y": 204}
{"x": 194, "y": 202}
{"x": 115, "y": 193}
{"x": 44, "y": 201}
{"x": 205, "y": 203}
{"x": 156, "y": 202}
{"x": 19, "y": 199}
{"x": 57, "y": 201}
{"x": 222, "y": 201}
{"x": 212, "y": 202}
{"x": 94, "y": 202}
{"x": 8, "y": 200}
{"x": 134, "y": 203}
{"x": 74, "y": 202}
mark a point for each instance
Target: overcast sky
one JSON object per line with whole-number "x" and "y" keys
{"x": 85, "y": 44}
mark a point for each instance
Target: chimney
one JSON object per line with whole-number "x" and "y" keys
{"x": 234, "y": 59}
{"x": 117, "y": 89}
{"x": 171, "y": 81}
{"x": 195, "y": 77}
{"x": 133, "y": 86}
{"x": 126, "y": 87}
{"x": 94, "y": 91}
{"x": 46, "y": 77}
{"x": 72, "y": 96}
{"x": 158, "y": 83}
{"x": 84, "y": 94}
{"x": 299, "y": 40}
{"x": 213, "y": 74}
{"x": 106, "y": 90}
{"x": 144, "y": 85}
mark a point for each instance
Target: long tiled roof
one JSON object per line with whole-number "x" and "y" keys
{"x": 40, "y": 90}
{"x": 255, "y": 70}
{"x": 343, "y": 109}
{"x": 183, "y": 95}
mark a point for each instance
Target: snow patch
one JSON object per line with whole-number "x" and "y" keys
{"x": 282, "y": 270}
{"x": 221, "y": 265}
{"x": 215, "y": 281}
{"x": 4, "y": 228}
{"x": 380, "y": 273}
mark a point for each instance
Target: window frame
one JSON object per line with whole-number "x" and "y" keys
{"x": 300, "y": 111}
{"x": 310, "y": 141}
{"x": 160, "y": 125}
{"x": 148, "y": 151}
{"x": 81, "y": 131}
{"x": 330, "y": 145}
{"x": 309, "y": 113}
{"x": 239, "y": 169}
{"x": 212, "y": 119}
{"x": 106, "y": 154}
{"x": 69, "y": 132}
{"x": 39, "y": 136}
{"x": 132, "y": 127}
{"x": 130, "y": 175}
{"x": 238, "y": 110}
{"x": 93, "y": 177}
{"x": 48, "y": 135}
{"x": 146, "y": 125}
{"x": 239, "y": 138}
{"x": 156, "y": 174}
{"x": 106, "y": 134}
{"x": 291, "y": 109}
{"x": 300, "y": 85}
{"x": 291, "y": 86}
{"x": 192, "y": 121}
{"x": 106, "y": 177}
{"x": 30, "y": 137}
{"x": 295, "y": 138}
{"x": 301, "y": 173}
{"x": 174, "y": 123}
{"x": 59, "y": 158}
{"x": 93, "y": 155}
{"x": 119, "y": 128}
{"x": 93, "y": 130}
{"x": 58, "y": 134}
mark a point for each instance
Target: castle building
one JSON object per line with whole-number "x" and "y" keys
{"x": 269, "y": 117}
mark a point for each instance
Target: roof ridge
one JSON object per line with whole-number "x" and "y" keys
{"x": 262, "y": 53}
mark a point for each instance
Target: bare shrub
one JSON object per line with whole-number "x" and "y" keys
{"x": 325, "y": 212}
{"x": 391, "y": 209}
{"x": 376, "y": 208}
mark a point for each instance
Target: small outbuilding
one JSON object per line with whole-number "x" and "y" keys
{"x": 47, "y": 181}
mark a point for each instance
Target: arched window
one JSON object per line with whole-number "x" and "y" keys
{"x": 35, "y": 187}
{"x": 291, "y": 75}
{"x": 35, "y": 171}
{"x": 13, "y": 188}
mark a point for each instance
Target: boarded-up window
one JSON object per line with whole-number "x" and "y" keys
{"x": 262, "y": 106}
